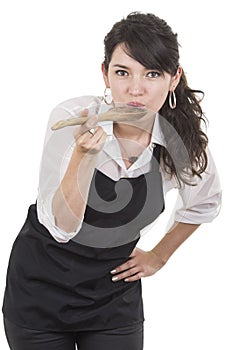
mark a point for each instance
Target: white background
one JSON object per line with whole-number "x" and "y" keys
{"x": 51, "y": 50}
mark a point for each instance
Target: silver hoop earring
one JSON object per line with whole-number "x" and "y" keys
{"x": 107, "y": 96}
{"x": 172, "y": 99}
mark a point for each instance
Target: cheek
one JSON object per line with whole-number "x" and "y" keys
{"x": 163, "y": 90}
{"x": 117, "y": 90}
{"x": 158, "y": 98}
{"x": 163, "y": 96}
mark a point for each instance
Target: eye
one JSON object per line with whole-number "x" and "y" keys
{"x": 153, "y": 74}
{"x": 121, "y": 73}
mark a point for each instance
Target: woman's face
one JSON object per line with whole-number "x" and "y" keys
{"x": 131, "y": 83}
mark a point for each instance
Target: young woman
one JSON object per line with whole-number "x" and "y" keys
{"x": 75, "y": 272}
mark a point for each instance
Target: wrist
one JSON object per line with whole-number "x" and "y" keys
{"x": 158, "y": 257}
{"x": 81, "y": 154}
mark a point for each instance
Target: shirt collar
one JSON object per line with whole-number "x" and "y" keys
{"x": 157, "y": 135}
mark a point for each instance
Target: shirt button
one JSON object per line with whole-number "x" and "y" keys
{"x": 153, "y": 145}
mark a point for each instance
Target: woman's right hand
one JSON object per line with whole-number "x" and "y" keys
{"x": 86, "y": 141}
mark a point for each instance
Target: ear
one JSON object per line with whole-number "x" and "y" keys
{"x": 105, "y": 75}
{"x": 176, "y": 78}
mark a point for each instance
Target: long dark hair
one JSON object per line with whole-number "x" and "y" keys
{"x": 151, "y": 42}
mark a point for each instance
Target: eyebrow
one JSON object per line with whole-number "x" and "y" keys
{"x": 125, "y": 67}
{"x": 120, "y": 66}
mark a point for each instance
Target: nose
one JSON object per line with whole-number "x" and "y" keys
{"x": 136, "y": 87}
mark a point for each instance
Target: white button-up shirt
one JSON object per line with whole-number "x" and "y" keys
{"x": 196, "y": 204}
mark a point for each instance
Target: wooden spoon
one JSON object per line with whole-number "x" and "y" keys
{"x": 116, "y": 114}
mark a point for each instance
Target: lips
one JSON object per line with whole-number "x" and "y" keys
{"x": 136, "y": 104}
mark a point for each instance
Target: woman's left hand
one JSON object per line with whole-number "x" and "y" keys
{"x": 141, "y": 264}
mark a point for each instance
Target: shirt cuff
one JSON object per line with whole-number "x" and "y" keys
{"x": 47, "y": 219}
{"x": 200, "y": 214}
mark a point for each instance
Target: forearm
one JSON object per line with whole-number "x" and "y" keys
{"x": 69, "y": 201}
{"x": 173, "y": 239}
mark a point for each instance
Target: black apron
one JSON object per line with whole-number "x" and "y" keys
{"x": 67, "y": 286}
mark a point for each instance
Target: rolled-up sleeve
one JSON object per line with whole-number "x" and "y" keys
{"x": 200, "y": 203}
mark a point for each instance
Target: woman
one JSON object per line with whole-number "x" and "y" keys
{"x": 75, "y": 272}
